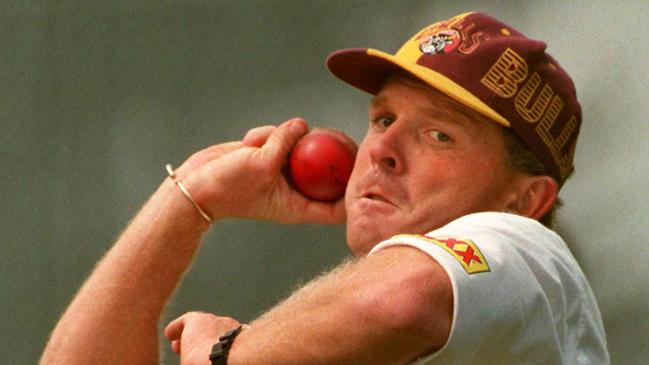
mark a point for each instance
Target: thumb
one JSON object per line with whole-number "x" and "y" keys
{"x": 281, "y": 141}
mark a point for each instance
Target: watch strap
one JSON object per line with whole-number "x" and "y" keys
{"x": 221, "y": 349}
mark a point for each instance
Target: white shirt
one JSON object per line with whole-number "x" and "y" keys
{"x": 519, "y": 295}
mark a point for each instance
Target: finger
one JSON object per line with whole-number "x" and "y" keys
{"x": 304, "y": 210}
{"x": 256, "y": 137}
{"x": 215, "y": 151}
{"x": 223, "y": 148}
{"x": 282, "y": 140}
{"x": 174, "y": 329}
{"x": 175, "y": 346}
{"x": 207, "y": 154}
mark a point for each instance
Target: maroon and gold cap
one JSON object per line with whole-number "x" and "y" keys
{"x": 489, "y": 67}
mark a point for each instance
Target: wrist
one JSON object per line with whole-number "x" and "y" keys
{"x": 221, "y": 350}
{"x": 183, "y": 189}
{"x": 170, "y": 201}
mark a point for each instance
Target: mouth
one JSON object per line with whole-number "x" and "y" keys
{"x": 372, "y": 196}
{"x": 377, "y": 198}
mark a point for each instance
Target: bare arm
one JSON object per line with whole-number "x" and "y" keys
{"x": 389, "y": 308}
{"x": 113, "y": 318}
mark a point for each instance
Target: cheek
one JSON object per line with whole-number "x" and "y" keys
{"x": 474, "y": 167}
{"x": 481, "y": 184}
{"x": 460, "y": 185}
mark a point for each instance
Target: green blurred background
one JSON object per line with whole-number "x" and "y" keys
{"x": 96, "y": 97}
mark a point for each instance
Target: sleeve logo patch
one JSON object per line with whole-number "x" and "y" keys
{"x": 466, "y": 252}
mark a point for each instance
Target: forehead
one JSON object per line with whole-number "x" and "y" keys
{"x": 405, "y": 91}
{"x": 402, "y": 85}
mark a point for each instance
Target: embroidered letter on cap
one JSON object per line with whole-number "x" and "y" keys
{"x": 466, "y": 252}
{"x": 533, "y": 113}
{"x": 505, "y": 75}
{"x": 556, "y": 145}
{"x": 534, "y": 106}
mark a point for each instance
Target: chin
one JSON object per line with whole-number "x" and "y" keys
{"x": 361, "y": 241}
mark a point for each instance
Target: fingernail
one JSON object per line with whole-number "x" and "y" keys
{"x": 297, "y": 126}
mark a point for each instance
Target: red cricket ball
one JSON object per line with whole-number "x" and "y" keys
{"x": 321, "y": 162}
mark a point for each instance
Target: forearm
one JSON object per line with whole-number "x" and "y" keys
{"x": 362, "y": 313}
{"x": 113, "y": 319}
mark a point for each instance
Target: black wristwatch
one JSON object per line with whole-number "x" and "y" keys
{"x": 221, "y": 349}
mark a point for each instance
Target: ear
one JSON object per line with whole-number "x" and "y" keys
{"x": 535, "y": 196}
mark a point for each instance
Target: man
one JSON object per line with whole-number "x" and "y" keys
{"x": 442, "y": 214}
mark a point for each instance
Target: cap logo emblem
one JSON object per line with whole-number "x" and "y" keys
{"x": 441, "y": 42}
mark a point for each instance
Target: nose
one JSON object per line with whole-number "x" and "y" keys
{"x": 386, "y": 149}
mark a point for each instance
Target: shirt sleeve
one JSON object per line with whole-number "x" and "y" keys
{"x": 503, "y": 270}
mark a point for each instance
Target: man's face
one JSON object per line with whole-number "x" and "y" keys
{"x": 425, "y": 161}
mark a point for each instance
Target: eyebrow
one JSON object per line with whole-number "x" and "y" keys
{"x": 377, "y": 101}
{"x": 450, "y": 113}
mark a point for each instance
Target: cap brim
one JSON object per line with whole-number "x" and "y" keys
{"x": 368, "y": 69}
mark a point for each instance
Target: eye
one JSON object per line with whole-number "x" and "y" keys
{"x": 384, "y": 121}
{"x": 440, "y": 136}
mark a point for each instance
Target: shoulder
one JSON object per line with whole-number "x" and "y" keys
{"x": 470, "y": 242}
{"x": 508, "y": 275}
